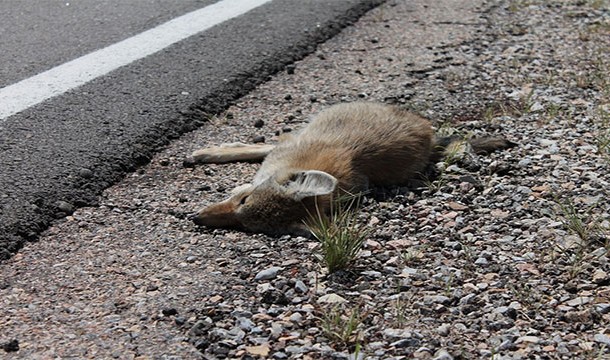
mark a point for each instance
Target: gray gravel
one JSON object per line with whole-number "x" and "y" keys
{"x": 484, "y": 262}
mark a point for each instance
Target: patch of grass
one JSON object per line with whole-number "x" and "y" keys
{"x": 449, "y": 284}
{"x": 599, "y": 4}
{"x": 343, "y": 326}
{"x": 552, "y": 110}
{"x": 340, "y": 235}
{"x": 517, "y": 5}
{"x": 413, "y": 255}
{"x": 584, "y": 224}
{"x": 603, "y": 136}
{"x": 399, "y": 308}
{"x": 437, "y": 184}
{"x": 589, "y": 230}
{"x": 451, "y": 154}
{"x": 526, "y": 103}
{"x": 507, "y": 108}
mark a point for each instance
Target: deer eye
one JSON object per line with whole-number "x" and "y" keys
{"x": 243, "y": 200}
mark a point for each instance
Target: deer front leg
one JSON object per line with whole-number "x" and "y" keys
{"x": 231, "y": 152}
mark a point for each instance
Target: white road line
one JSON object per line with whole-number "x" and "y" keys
{"x": 31, "y": 91}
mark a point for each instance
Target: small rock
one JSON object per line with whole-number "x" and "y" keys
{"x": 276, "y": 329}
{"x": 169, "y": 312}
{"x": 202, "y": 344}
{"x": 397, "y": 333}
{"x": 467, "y": 299}
{"x": 602, "y": 338}
{"x": 442, "y": 354}
{"x": 602, "y": 308}
{"x": 506, "y": 345}
{"x": 443, "y": 330}
{"x": 85, "y": 173}
{"x": 404, "y": 343}
{"x": 294, "y": 349}
{"x": 296, "y": 317}
{"x": 290, "y": 68}
{"x": 331, "y": 299}
{"x": 600, "y": 277}
{"x": 237, "y": 334}
{"x": 11, "y": 346}
{"x": 259, "y": 123}
{"x": 372, "y": 273}
{"x": 215, "y": 299}
{"x": 457, "y": 206}
{"x": 581, "y": 300}
{"x": 300, "y": 287}
{"x": 259, "y": 350}
{"x": 267, "y": 274}
{"x": 245, "y": 323}
{"x": 258, "y": 139}
{"x": 584, "y": 316}
{"x": 275, "y": 297}
{"x": 437, "y": 299}
{"x": 528, "y": 339}
{"x": 65, "y": 207}
{"x": 536, "y": 107}
{"x": 481, "y": 261}
{"x": 200, "y": 327}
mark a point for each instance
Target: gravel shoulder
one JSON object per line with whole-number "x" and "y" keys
{"x": 502, "y": 256}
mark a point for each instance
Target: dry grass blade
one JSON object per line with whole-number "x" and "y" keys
{"x": 340, "y": 235}
{"x": 343, "y": 326}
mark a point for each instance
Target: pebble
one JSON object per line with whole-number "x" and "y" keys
{"x": 602, "y": 308}
{"x": 528, "y": 339}
{"x": 581, "y": 300}
{"x": 245, "y": 324}
{"x": 300, "y": 287}
{"x": 331, "y": 299}
{"x": 442, "y": 354}
{"x": 481, "y": 261}
{"x": 169, "y": 312}
{"x": 11, "y": 346}
{"x": 65, "y": 207}
{"x": 85, "y": 173}
{"x": 602, "y": 338}
{"x": 600, "y": 277}
{"x": 404, "y": 343}
{"x": 444, "y": 329}
{"x": 267, "y": 274}
{"x": 296, "y": 317}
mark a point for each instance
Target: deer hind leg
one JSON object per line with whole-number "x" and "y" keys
{"x": 231, "y": 152}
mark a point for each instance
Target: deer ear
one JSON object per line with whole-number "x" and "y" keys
{"x": 304, "y": 184}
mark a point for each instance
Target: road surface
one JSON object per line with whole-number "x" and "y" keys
{"x": 61, "y": 153}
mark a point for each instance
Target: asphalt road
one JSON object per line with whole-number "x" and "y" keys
{"x": 60, "y": 154}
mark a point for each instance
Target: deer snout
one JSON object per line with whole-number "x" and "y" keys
{"x": 220, "y": 215}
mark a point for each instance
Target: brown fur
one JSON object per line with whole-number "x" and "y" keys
{"x": 347, "y": 147}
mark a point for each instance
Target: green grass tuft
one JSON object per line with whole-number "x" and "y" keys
{"x": 340, "y": 235}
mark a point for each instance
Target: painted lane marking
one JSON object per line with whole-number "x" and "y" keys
{"x": 56, "y": 81}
